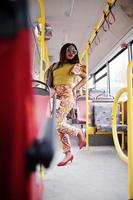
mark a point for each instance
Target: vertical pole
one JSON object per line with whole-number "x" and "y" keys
{"x": 46, "y": 56}
{"x": 42, "y": 38}
{"x": 130, "y": 124}
{"x": 130, "y": 53}
{"x": 87, "y": 120}
{"x": 108, "y": 78}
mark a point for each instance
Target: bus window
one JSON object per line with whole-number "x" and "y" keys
{"x": 91, "y": 82}
{"x": 102, "y": 83}
{"x": 118, "y": 72}
{"x": 101, "y": 78}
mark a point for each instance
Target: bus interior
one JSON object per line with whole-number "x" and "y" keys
{"x": 31, "y": 38}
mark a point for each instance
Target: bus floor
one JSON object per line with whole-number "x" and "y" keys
{"x": 94, "y": 174}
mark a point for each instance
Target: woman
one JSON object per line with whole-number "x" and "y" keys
{"x": 60, "y": 77}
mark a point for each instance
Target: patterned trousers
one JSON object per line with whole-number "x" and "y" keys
{"x": 66, "y": 103}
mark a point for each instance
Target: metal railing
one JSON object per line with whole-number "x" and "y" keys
{"x": 41, "y": 38}
{"x": 128, "y": 159}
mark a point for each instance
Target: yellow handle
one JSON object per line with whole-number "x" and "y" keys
{"x": 114, "y": 130}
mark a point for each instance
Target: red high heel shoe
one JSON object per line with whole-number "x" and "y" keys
{"x": 82, "y": 141}
{"x": 82, "y": 144}
{"x": 63, "y": 163}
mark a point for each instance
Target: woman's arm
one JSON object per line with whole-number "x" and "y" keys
{"x": 80, "y": 83}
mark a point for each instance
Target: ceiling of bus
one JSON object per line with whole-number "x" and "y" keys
{"x": 127, "y": 7}
{"x": 111, "y": 41}
{"x": 74, "y": 20}
{"x": 71, "y": 21}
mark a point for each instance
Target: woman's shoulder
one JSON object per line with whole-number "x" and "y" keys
{"x": 78, "y": 69}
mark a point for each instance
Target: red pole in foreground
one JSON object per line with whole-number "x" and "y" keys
{"x": 16, "y": 125}
{"x": 15, "y": 111}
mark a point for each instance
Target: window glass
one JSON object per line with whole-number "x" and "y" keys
{"x": 118, "y": 72}
{"x": 102, "y": 83}
{"x": 101, "y": 73}
{"x": 91, "y": 82}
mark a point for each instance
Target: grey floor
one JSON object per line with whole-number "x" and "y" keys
{"x": 94, "y": 174}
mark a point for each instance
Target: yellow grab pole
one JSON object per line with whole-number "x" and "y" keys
{"x": 42, "y": 43}
{"x": 122, "y": 112}
{"x": 98, "y": 24}
{"x": 41, "y": 39}
{"x": 46, "y": 56}
{"x": 87, "y": 72}
{"x": 130, "y": 129}
{"x": 114, "y": 130}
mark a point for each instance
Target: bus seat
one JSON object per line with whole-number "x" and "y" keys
{"x": 93, "y": 92}
{"x": 107, "y": 128}
{"x": 42, "y": 106}
{"x": 104, "y": 97}
{"x": 43, "y": 147}
{"x": 81, "y": 110}
{"x": 103, "y": 117}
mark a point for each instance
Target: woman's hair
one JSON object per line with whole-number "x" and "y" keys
{"x": 63, "y": 55}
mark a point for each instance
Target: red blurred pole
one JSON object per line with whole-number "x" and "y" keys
{"x": 16, "y": 132}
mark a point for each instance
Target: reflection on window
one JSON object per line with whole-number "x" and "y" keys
{"x": 91, "y": 83}
{"x": 102, "y": 83}
{"x": 118, "y": 72}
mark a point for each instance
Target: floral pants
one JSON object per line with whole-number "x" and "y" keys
{"x": 66, "y": 103}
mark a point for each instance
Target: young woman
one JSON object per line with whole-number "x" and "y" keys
{"x": 60, "y": 77}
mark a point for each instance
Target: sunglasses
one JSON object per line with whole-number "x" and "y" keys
{"x": 73, "y": 51}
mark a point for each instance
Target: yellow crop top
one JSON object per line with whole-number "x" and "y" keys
{"x": 65, "y": 74}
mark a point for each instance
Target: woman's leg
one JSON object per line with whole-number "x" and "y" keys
{"x": 64, "y": 129}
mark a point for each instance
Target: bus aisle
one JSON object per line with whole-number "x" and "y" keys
{"x": 97, "y": 173}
